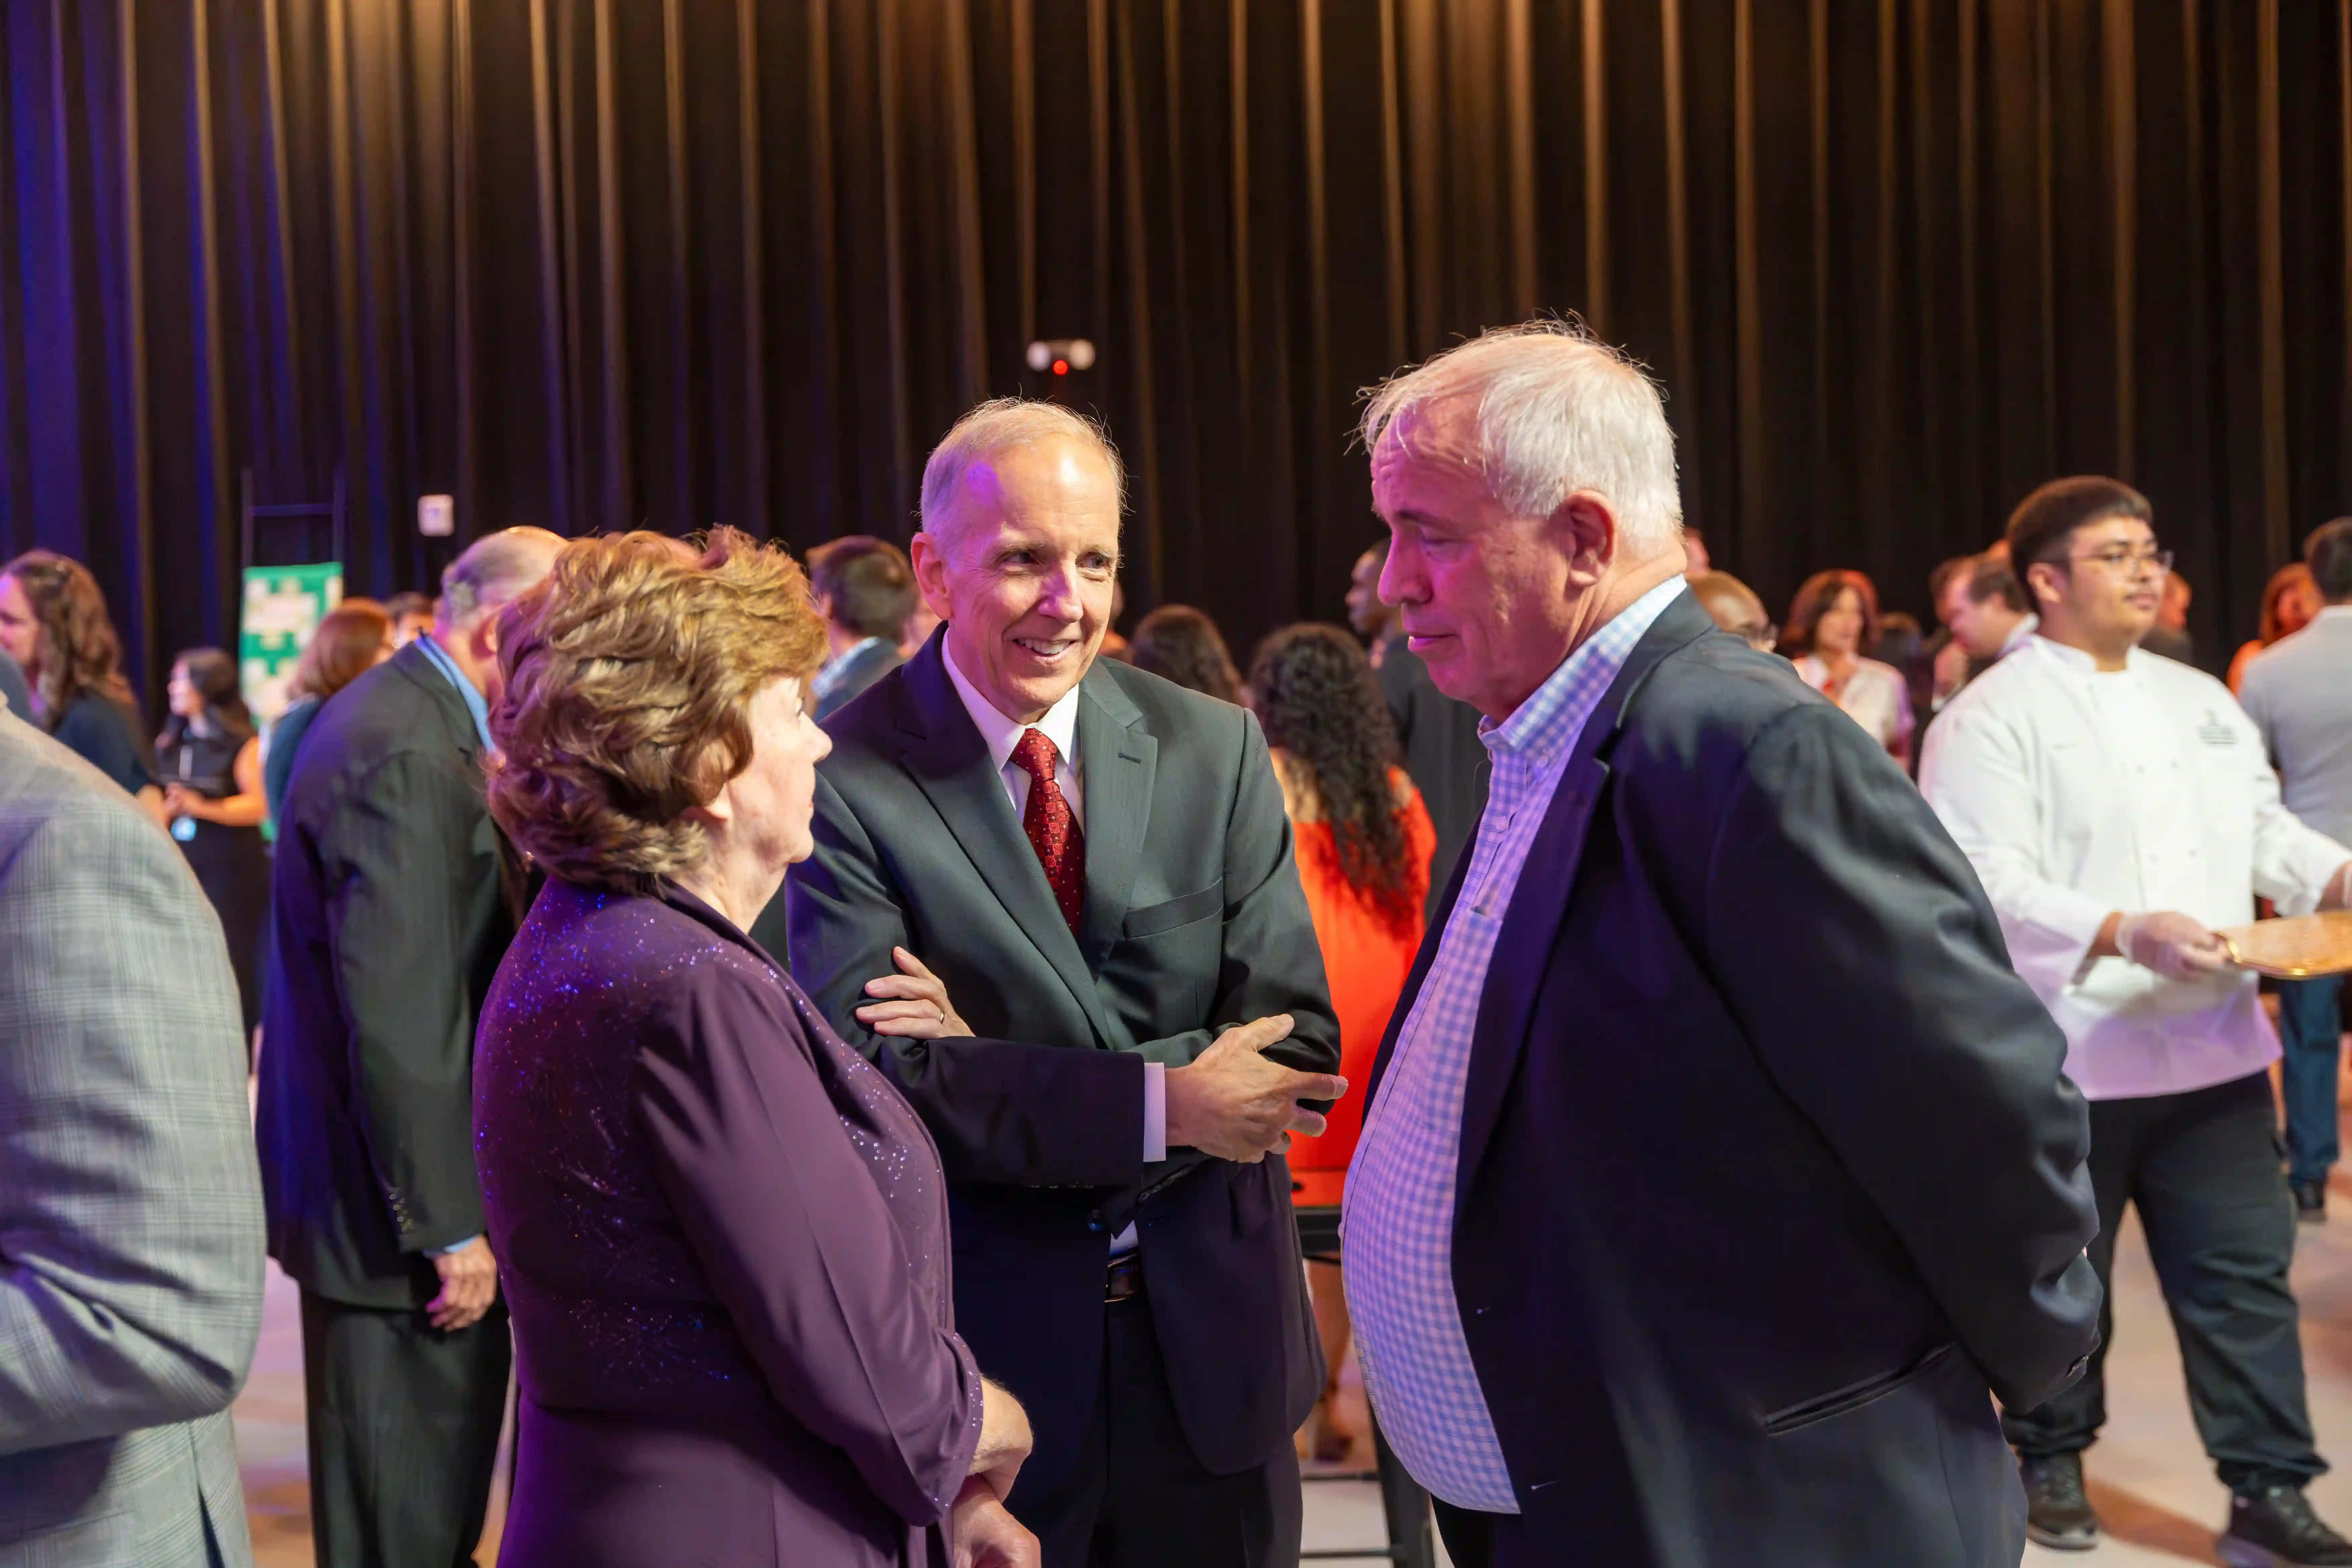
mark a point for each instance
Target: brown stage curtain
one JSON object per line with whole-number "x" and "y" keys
{"x": 592, "y": 263}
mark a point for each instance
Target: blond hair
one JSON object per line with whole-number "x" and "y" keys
{"x": 999, "y": 425}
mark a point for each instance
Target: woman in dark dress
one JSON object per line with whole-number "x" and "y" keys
{"x": 211, "y": 762}
{"x": 722, "y": 1235}
{"x": 53, "y": 623}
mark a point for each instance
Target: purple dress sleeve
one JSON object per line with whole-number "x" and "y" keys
{"x": 799, "y": 1244}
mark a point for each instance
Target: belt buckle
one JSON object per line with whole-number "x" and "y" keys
{"x": 1124, "y": 1277}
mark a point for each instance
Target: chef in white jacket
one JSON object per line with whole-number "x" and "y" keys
{"x": 2118, "y": 807}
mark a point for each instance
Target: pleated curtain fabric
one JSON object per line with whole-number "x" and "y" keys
{"x": 602, "y": 263}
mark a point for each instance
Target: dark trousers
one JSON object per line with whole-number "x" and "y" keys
{"x": 1475, "y": 1540}
{"x": 2311, "y": 1029}
{"x": 404, "y": 1434}
{"x": 2203, "y": 1168}
{"x": 1136, "y": 1497}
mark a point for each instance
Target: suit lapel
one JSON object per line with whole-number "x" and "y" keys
{"x": 943, "y": 752}
{"x": 1120, "y": 759}
{"x": 1516, "y": 973}
{"x": 415, "y": 666}
{"x": 1516, "y": 970}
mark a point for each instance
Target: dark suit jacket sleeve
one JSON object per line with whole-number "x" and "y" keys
{"x": 400, "y": 861}
{"x": 1000, "y": 1110}
{"x": 784, "y": 1216}
{"x": 1866, "y": 969}
{"x": 1272, "y": 963}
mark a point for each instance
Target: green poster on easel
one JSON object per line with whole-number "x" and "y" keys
{"x": 283, "y": 606}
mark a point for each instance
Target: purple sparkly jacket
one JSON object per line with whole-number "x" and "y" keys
{"x": 723, "y": 1238}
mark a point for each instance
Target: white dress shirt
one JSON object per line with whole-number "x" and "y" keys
{"x": 1060, "y": 725}
{"x": 2076, "y": 794}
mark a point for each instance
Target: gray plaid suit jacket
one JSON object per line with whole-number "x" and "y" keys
{"x": 131, "y": 1231}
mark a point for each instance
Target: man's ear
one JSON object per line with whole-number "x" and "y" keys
{"x": 1587, "y": 530}
{"x": 930, "y": 564}
{"x": 2042, "y": 583}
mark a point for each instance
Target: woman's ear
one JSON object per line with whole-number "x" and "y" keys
{"x": 721, "y": 811}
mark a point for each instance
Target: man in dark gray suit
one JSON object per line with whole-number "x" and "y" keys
{"x": 394, "y": 898}
{"x": 1055, "y": 898}
{"x": 132, "y": 1295}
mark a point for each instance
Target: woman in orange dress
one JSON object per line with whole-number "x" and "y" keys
{"x": 1364, "y": 842}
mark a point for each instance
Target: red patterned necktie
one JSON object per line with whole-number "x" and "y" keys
{"x": 1052, "y": 830}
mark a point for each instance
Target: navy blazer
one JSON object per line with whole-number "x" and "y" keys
{"x": 1769, "y": 1177}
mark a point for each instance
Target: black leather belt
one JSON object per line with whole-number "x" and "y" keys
{"x": 1124, "y": 1277}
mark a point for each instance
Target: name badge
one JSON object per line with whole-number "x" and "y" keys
{"x": 2214, "y": 732}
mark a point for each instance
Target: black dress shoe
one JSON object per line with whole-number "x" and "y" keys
{"x": 2057, "y": 1514}
{"x": 2310, "y": 1204}
{"x": 2277, "y": 1528}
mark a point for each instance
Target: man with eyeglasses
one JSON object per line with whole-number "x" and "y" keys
{"x": 2118, "y": 807}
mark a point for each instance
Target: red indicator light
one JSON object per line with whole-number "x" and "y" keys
{"x": 1061, "y": 367}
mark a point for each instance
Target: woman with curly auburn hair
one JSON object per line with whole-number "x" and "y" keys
{"x": 1364, "y": 842}
{"x": 1832, "y": 627}
{"x": 722, "y": 1233}
{"x": 53, "y": 623}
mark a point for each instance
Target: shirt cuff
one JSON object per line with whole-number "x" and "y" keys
{"x": 453, "y": 1247}
{"x": 1155, "y": 1112}
{"x": 2052, "y": 937}
{"x": 2309, "y": 871}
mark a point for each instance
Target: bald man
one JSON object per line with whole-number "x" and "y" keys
{"x": 393, "y": 901}
{"x": 1733, "y": 606}
{"x": 1052, "y": 898}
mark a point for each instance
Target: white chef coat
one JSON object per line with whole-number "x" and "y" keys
{"x": 2076, "y": 794}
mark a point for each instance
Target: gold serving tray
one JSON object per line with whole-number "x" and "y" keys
{"x": 2298, "y": 948}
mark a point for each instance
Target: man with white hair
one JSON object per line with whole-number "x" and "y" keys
{"x": 1716, "y": 1163}
{"x": 393, "y": 900}
{"x": 1053, "y": 897}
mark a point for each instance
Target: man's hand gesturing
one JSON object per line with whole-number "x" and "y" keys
{"x": 1234, "y": 1104}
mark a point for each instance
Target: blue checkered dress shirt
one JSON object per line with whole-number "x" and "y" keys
{"x": 1398, "y": 1252}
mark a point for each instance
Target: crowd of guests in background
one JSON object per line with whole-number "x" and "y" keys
{"x": 609, "y": 922}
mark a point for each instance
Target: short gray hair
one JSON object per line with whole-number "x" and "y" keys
{"x": 494, "y": 569}
{"x": 997, "y": 426}
{"x": 1557, "y": 411}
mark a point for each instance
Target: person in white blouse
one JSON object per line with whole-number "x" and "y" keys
{"x": 2118, "y": 807}
{"x": 1833, "y": 626}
